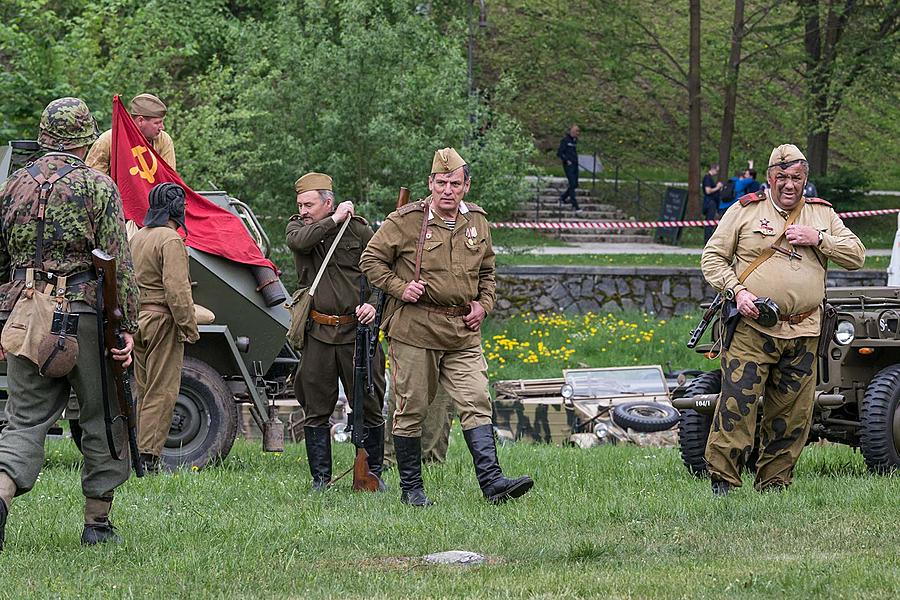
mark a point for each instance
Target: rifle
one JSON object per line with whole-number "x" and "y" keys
{"x": 402, "y": 197}
{"x": 109, "y": 319}
{"x": 698, "y": 331}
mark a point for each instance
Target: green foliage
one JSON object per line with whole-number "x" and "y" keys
{"x": 844, "y": 187}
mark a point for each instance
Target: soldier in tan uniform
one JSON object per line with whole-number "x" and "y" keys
{"x": 433, "y": 322}
{"x": 773, "y": 368}
{"x": 166, "y": 319}
{"x": 435, "y": 429}
{"x": 331, "y": 331}
{"x": 148, "y": 112}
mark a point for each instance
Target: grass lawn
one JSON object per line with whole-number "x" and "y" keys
{"x": 635, "y": 260}
{"x": 609, "y": 522}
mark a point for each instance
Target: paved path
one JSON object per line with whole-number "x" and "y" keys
{"x": 618, "y": 248}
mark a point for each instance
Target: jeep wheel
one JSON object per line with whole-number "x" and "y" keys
{"x": 205, "y": 419}
{"x": 880, "y": 419}
{"x": 645, "y": 417}
{"x": 693, "y": 428}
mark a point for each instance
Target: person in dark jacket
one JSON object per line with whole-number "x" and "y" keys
{"x": 568, "y": 154}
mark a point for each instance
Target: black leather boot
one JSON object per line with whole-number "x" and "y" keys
{"x": 720, "y": 488}
{"x": 495, "y": 487}
{"x": 374, "y": 445}
{"x": 151, "y": 463}
{"x": 409, "y": 466}
{"x": 97, "y": 527}
{"x": 3, "y": 512}
{"x": 318, "y": 452}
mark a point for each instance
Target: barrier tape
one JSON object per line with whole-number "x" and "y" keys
{"x": 654, "y": 224}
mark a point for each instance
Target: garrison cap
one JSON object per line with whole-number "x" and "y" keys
{"x": 784, "y": 154}
{"x": 147, "y": 105}
{"x": 313, "y": 181}
{"x": 446, "y": 160}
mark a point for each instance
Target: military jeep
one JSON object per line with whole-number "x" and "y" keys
{"x": 857, "y": 398}
{"x": 241, "y": 357}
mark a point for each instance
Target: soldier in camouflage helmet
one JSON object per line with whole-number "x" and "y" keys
{"x": 53, "y": 235}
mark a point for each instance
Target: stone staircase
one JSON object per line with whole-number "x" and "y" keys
{"x": 543, "y": 206}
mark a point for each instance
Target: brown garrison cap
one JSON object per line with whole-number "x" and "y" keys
{"x": 147, "y": 105}
{"x": 785, "y": 153}
{"x": 446, "y": 160}
{"x": 313, "y": 181}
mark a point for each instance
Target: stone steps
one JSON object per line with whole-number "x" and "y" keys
{"x": 565, "y": 214}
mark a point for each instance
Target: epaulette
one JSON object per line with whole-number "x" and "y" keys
{"x": 818, "y": 201}
{"x": 411, "y": 206}
{"x": 752, "y": 197}
{"x": 475, "y": 208}
{"x": 360, "y": 219}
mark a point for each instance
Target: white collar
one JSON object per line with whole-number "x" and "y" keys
{"x": 463, "y": 209}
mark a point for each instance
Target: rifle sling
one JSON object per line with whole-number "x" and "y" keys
{"x": 108, "y": 419}
{"x": 315, "y": 283}
{"x": 420, "y": 244}
{"x": 769, "y": 252}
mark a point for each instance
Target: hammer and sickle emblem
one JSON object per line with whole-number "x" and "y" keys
{"x": 146, "y": 172}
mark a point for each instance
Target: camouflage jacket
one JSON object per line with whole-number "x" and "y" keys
{"x": 83, "y": 212}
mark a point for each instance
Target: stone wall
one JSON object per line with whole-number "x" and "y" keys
{"x": 658, "y": 290}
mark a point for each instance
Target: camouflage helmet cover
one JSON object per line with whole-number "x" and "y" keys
{"x": 67, "y": 123}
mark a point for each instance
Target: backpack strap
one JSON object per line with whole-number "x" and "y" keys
{"x": 45, "y": 187}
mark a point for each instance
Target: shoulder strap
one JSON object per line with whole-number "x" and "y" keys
{"x": 315, "y": 283}
{"x": 420, "y": 244}
{"x": 45, "y": 186}
{"x": 769, "y": 252}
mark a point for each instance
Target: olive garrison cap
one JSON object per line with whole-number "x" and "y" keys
{"x": 785, "y": 153}
{"x": 446, "y": 160}
{"x": 313, "y": 181}
{"x": 147, "y": 105}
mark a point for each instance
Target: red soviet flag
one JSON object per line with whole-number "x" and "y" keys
{"x": 136, "y": 168}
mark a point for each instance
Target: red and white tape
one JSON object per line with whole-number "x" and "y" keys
{"x": 653, "y": 224}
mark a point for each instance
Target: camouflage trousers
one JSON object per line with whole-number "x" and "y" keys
{"x": 778, "y": 376}
{"x": 435, "y": 429}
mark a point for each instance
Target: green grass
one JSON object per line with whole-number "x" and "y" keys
{"x": 522, "y": 239}
{"x": 634, "y": 260}
{"x": 609, "y": 522}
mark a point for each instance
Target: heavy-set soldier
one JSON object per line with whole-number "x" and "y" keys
{"x": 166, "y": 320}
{"x": 45, "y": 238}
{"x": 434, "y": 258}
{"x": 772, "y": 367}
{"x": 331, "y": 330}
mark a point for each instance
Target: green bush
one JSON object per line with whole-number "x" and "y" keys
{"x": 844, "y": 187}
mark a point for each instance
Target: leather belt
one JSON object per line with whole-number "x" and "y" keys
{"x": 797, "y": 318}
{"x": 156, "y": 308}
{"x": 71, "y": 280}
{"x": 451, "y": 311}
{"x": 333, "y": 320}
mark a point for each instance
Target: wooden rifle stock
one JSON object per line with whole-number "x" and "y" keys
{"x": 402, "y": 197}
{"x": 105, "y": 266}
{"x": 363, "y": 478}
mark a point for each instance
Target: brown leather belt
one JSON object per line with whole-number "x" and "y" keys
{"x": 451, "y": 311}
{"x": 334, "y": 320}
{"x": 156, "y": 308}
{"x": 796, "y": 319}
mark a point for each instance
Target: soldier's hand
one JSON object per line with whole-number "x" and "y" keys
{"x": 124, "y": 354}
{"x": 365, "y": 313}
{"x": 413, "y": 291}
{"x": 343, "y": 211}
{"x": 475, "y": 317}
{"x": 744, "y": 300}
{"x": 802, "y": 235}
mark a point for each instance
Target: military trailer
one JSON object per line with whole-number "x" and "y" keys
{"x": 587, "y": 407}
{"x": 241, "y": 357}
{"x": 857, "y": 398}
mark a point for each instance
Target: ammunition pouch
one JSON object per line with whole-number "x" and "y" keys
{"x": 29, "y": 331}
{"x": 829, "y": 322}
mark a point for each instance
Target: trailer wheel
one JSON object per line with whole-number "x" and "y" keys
{"x": 693, "y": 428}
{"x": 880, "y": 417}
{"x": 645, "y": 417}
{"x": 205, "y": 419}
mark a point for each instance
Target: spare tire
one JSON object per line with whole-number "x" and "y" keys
{"x": 693, "y": 430}
{"x": 645, "y": 417}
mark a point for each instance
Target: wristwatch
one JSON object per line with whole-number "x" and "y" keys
{"x": 821, "y": 239}
{"x": 729, "y": 294}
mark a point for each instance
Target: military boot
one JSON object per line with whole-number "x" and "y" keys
{"x": 7, "y": 492}
{"x": 495, "y": 487}
{"x": 409, "y": 466}
{"x": 374, "y": 445}
{"x": 318, "y": 452}
{"x": 151, "y": 463}
{"x": 720, "y": 488}
{"x": 97, "y": 527}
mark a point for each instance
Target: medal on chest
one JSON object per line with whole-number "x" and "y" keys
{"x": 428, "y": 234}
{"x": 471, "y": 234}
{"x": 766, "y": 227}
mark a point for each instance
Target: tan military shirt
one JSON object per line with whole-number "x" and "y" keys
{"x": 458, "y": 266}
{"x": 752, "y": 225}
{"x": 98, "y": 157}
{"x": 338, "y": 291}
{"x": 163, "y": 277}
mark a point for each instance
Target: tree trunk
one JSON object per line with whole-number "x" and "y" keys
{"x": 731, "y": 79}
{"x": 693, "y": 207}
